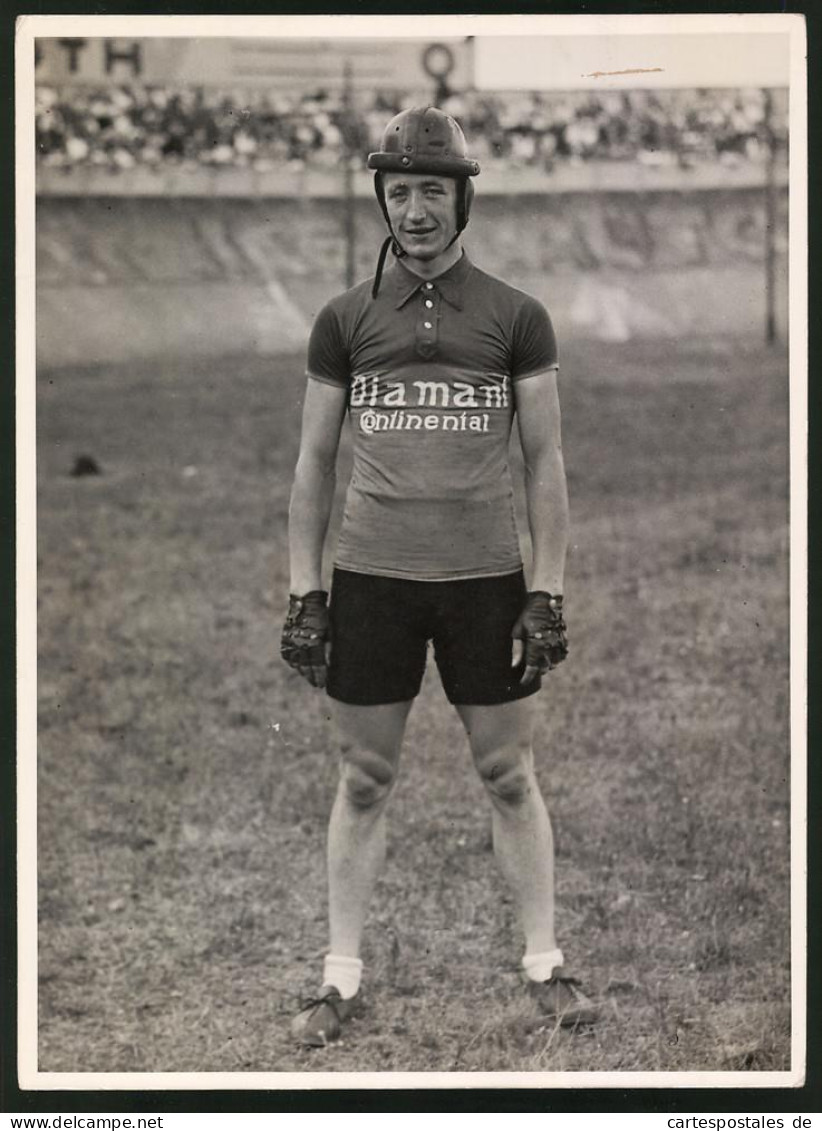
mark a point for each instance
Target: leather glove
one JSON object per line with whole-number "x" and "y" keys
{"x": 539, "y": 635}
{"x": 305, "y": 639}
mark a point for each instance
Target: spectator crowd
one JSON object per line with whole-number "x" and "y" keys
{"x": 120, "y": 127}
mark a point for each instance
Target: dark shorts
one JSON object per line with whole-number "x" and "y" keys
{"x": 381, "y": 626}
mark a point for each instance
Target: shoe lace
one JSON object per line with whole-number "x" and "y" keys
{"x": 331, "y": 1000}
{"x": 568, "y": 980}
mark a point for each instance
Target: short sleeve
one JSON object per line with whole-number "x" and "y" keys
{"x": 534, "y": 344}
{"x": 327, "y": 352}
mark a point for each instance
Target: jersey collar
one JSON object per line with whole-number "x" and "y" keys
{"x": 450, "y": 284}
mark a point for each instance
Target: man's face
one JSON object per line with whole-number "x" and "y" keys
{"x": 422, "y": 208}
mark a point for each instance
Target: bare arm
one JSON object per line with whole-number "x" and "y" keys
{"x": 546, "y": 492}
{"x": 312, "y": 494}
{"x": 539, "y": 633}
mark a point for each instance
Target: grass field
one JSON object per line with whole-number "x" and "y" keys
{"x": 185, "y": 775}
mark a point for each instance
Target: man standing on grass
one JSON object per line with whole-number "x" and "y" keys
{"x": 431, "y": 362}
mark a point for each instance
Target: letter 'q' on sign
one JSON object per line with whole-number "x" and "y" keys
{"x": 438, "y": 60}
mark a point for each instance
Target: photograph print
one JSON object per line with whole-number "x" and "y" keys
{"x": 408, "y": 412}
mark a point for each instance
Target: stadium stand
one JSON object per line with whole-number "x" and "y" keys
{"x": 121, "y": 127}
{"x": 177, "y": 220}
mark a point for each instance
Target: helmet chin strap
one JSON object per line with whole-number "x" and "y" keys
{"x": 387, "y": 243}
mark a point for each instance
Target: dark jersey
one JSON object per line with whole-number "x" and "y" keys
{"x": 430, "y": 367}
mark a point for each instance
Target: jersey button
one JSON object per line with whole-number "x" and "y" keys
{"x": 427, "y": 325}
{"x": 429, "y": 303}
{"x": 429, "y": 286}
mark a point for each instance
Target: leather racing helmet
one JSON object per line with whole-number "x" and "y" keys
{"x": 422, "y": 140}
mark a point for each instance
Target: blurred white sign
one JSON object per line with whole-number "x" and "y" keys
{"x": 619, "y": 62}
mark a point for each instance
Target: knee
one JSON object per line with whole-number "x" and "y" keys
{"x": 507, "y": 775}
{"x": 367, "y": 779}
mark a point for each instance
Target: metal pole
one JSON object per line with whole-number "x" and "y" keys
{"x": 770, "y": 223}
{"x": 349, "y": 218}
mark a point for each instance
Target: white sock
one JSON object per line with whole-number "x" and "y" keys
{"x": 344, "y": 973}
{"x": 540, "y": 967}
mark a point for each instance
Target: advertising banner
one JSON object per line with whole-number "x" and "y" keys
{"x": 278, "y": 64}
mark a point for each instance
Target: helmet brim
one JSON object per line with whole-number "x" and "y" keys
{"x": 440, "y": 166}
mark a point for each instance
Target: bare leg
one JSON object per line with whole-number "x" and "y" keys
{"x": 371, "y": 738}
{"x": 501, "y": 745}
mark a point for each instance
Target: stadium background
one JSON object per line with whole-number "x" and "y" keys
{"x": 197, "y": 201}
{"x": 181, "y": 213}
